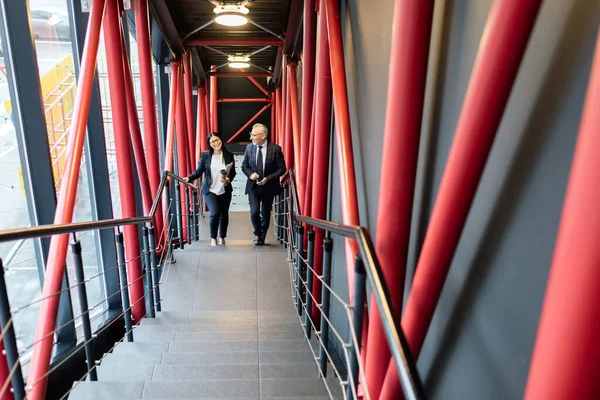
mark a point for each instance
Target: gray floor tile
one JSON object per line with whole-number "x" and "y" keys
{"x": 209, "y": 336}
{"x": 225, "y": 304}
{"x": 292, "y": 387}
{"x": 219, "y": 328}
{"x": 148, "y": 336}
{"x": 231, "y": 319}
{"x": 277, "y": 371}
{"x": 133, "y": 359}
{"x": 203, "y": 372}
{"x": 127, "y": 348}
{"x": 107, "y": 390}
{"x": 209, "y": 389}
{"x": 163, "y": 328}
{"x": 286, "y": 357}
{"x": 125, "y": 372}
{"x": 213, "y": 346}
{"x": 294, "y": 327}
{"x": 229, "y": 358}
{"x": 283, "y": 345}
{"x": 281, "y": 335}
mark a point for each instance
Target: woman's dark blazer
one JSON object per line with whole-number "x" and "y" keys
{"x": 204, "y": 168}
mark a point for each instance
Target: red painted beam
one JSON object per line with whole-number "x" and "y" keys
{"x": 189, "y": 110}
{"x": 142, "y": 26}
{"x": 214, "y": 109}
{"x": 242, "y": 41}
{"x": 278, "y": 115}
{"x": 247, "y": 124}
{"x": 202, "y": 132}
{"x": 411, "y": 32}
{"x": 257, "y": 84}
{"x": 507, "y": 32}
{"x": 566, "y": 353}
{"x": 293, "y": 88}
{"x": 245, "y": 100}
{"x": 173, "y": 97}
{"x": 182, "y": 145}
{"x": 240, "y": 74}
{"x": 288, "y": 138}
{"x": 5, "y": 376}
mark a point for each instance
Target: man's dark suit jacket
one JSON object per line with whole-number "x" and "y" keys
{"x": 204, "y": 168}
{"x": 274, "y": 167}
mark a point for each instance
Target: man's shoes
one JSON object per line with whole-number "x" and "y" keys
{"x": 261, "y": 241}
{"x": 222, "y": 241}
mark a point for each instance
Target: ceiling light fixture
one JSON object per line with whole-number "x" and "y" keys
{"x": 231, "y": 15}
{"x": 239, "y": 61}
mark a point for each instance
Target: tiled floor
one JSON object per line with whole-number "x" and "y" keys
{"x": 228, "y": 329}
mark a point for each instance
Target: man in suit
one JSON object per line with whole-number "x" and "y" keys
{"x": 263, "y": 165}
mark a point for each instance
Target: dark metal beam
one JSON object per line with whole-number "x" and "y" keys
{"x": 277, "y": 70}
{"x": 240, "y": 74}
{"x": 242, "y": 41}
{"x": 293, "y": 26}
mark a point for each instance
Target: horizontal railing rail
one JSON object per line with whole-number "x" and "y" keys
{"x": 292, "y": 220}
{"x": 58, "y": 229}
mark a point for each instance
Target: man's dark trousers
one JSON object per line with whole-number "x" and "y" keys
{"x": 261, "y": 203}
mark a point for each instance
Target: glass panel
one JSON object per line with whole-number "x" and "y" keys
{"x": 52, "y": 33}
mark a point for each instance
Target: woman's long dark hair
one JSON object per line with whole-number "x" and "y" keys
{"x": 210, "y": 149}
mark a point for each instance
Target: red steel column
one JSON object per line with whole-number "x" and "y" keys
{"x": 284, "y": 104}
{"x": 214, "y": 107}
{"x": 279, "y": 112}
{"x": 411, "y": 32}
{"x": 182, "y": 149}
{"x": 321, "y": 150}
{"x": 136, "y": 134}
{"x": 310, "y": 168}
{"x": 189, "y": 109}
{"x": 274, "y": 120}
{"x": 308, "y": 82}
{"x": 288, "y": 139}
{"x": 173, "y": 100}
{"x": 565, "y": 358}
{"x": 201, "y": 127}
{"x": 207, "y": 108}
{"x": 293, "y": 88}
{"x": 142, "y": 26}
{"x": 118, "y": 103}
{"x": 343, "y": 132}
{"x": 5, "y": 375}
{"x": 505, "y": 38}
{"x": 55, "y": 268}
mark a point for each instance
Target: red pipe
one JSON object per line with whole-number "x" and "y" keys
{"x": 189, "y": 110}
{"x": 343, "y": 132}
{"x": 288, "y": 140}
{"x": 135, "y": 133}
{"x": 201, "y": 124}
{"x": 207, "y": 107}
{"x": 308, "y": 83}
{"x": 142, "y": 26}
{"x": 240, "y": 74}
{"x": 214, "y": 108}
{"x": 274, "y": 121}
{"x": 5, "y": 375}
{"x": 284, "y": 105}
{"x": 182, "y": 145}
{"x": 278, "y": 113}
{"x": 322, "y": 135}
{"x": 507, "y": 31}
{"x": 566, "y": 353}
{"x": 244, "y": 41}
{"x": 306, "y": 201}
{"x": 174, "y": 95}
{"x": 55, "y": 268}
{"x": 247, "y": 124}
{"x": 244, "y": 100}
{"x": 411, "y": 32}
{"x": 295, "y": 119}
{"x": 256, "y": 83}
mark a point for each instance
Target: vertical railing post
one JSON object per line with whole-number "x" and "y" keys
{"x": 276, "y": 214}
{"x": 324, "y": 335}
{"x": 284, "y": 217}
{"x": 84, "y": 309}
{"x": 309, "y": 282}
{"x": 148, "y": 280}
{"x": 155, "y": 282}
{"x": 195, "y": 216}
{"x": 281, "y": 217}
{"x": 300, "y": 268}
{"x": 170, "y": 224}
{"x": 10, "y": 341}
{"x": 188, "y": 216}
{"x": 124, "y": 286}
{"x": 358, "y": 310}
{"x": 178, "y": 214}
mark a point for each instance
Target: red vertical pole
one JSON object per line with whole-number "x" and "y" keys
{"x": 55, "y": 268}
{"x": 189, "y": 109}
{"x": 321, "y": 150}
{"x": 136, "y": 134}
{"x": 507, "y": 31}
{"x": 182, "y": 149}
{"x": 201, "y": 124}
{"x": 207, "y": 107}
{"x": 173, "y": 100}
{"x": 566, "y": 353}
{"x": 5, "y": 375}
{"x": 308, "y": 82}
{"x": 295, "y": 135}
{"x": 214, "y": 106}
{"x": 343, "y": 132}
{"x": 310, "y": 170}
{"x": 406, "y": 93}
{"x": 288, "y": 139}
{"x": 278, "y": 115}
{"x": 274, "y": 120}
{"x": 284, "y": 104}
{"x": 142, "y": 26}
{"x": 118, "y": 102}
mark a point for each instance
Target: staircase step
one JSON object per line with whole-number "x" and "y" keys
{"x": 278, "y": 371}
{"x": 210, "y": 336}
{"x": 106, "y": 390}
{"x": 132, "y": 359}
{"x": 134, "y": 347}
{"x": 298, "y": 387}
{"x": 286, "y": 357}
{"x": 213, "y": 358}
{"x": 213, "y": 346}
{"x": 124, "y": 371}
{"x": 205, "y": 372}
{"x": 205, "y": 389}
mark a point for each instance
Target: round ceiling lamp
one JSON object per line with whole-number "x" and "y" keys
{"x": 231, "y": 15}
{"x": 239, "y": 61}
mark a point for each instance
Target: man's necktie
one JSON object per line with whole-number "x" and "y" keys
{"x": 259, "y": 163}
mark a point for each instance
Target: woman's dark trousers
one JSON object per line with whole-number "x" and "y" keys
{"x": 219, "y": 213}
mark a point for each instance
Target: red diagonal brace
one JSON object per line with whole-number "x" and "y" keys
{"x": 251, "y": 120}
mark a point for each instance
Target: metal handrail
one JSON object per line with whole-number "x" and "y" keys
{"x": 397, "y": 342}
{"x": 58, "y": 229}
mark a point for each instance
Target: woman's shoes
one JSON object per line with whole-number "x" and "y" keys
{"x": 222, "y": 241}
{"x": 213, "y": 242}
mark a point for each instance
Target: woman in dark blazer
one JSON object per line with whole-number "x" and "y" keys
{"x": 218, "y": 166}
